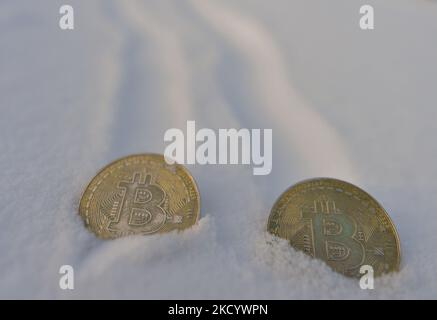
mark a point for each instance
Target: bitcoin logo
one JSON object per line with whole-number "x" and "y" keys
{"x": 140, "y": 194}
{"x": 338, "y": 223}
{"x": 140, "y": 207}
{"x": 333, "y": 233}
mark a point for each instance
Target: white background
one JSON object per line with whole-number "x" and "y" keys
{"x": 342, "y": 102}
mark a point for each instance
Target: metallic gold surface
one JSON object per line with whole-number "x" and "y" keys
{"x": 339, "y": 223}
{"x": 140, "y": 194}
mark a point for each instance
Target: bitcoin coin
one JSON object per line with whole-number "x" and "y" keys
{"x": 140, "y": 194}
{"x": 339, "y": 223}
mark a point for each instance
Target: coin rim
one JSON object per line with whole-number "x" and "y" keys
{"x": 133, "y": 156}
{"x": 398, "y": 241}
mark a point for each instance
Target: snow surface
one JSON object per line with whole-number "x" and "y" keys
{"x": 342, "y": 102}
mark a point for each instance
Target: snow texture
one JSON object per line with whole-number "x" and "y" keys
{"x": 342, "y": 102}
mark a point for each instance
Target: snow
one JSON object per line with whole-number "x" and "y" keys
{"x": 351, "y": 104}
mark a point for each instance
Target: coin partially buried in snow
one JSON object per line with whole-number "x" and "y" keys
{"x": 140, "y": 194}
{"x": 339, "y": 223}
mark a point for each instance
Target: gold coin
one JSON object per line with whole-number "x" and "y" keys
{"x": 339, "y": 223}
{"x": 140, "y": 194}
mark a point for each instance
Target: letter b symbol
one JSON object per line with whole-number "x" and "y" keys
{"x": 333, "y": 236}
